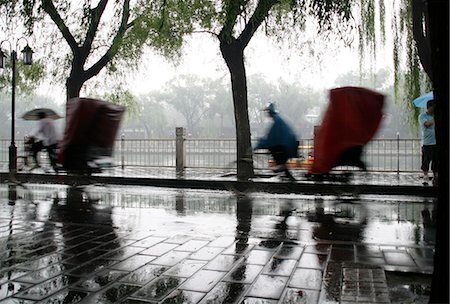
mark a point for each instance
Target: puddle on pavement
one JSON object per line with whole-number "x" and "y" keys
{"x": 408, "y": 288}
{"x": 239, "y": 232}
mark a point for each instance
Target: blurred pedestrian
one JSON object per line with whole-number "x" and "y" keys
{"x": 281, "y": 141}
{"x": 45, "y": 137}
{"x": 429, "y": 148}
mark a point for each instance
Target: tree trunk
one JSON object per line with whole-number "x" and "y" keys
{"x": 439, "y": 38}
{"x": 421, "y": 35}
{"x": 73, "y": 85}
{"x": 233, "y": 54}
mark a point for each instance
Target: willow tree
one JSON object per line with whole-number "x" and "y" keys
{"x": 234, "y": 23}
{"x": 411, "y": 46}
{"x": 81, "y": 38}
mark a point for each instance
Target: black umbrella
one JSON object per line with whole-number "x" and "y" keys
{"x": 34, "y": 114}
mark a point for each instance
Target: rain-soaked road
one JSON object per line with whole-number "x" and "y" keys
{"x": 103, "y": 244}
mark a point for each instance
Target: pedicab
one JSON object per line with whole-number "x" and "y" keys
{"x": 89, "y": 135}
{"x": 351, "y": 120}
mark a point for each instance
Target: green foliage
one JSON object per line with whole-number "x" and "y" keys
{"x": 28, "y": 77}
{"x": 125, "y": 98}
{"x": 410, "y": 80}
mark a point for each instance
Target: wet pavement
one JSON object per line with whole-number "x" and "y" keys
{"x": 113, "y": 244}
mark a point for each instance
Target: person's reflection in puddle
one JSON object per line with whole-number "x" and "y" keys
{"x": 429, "y": 223}
{"x": 87, "y": 234}
{"x": 338, "y": 226}
{"x": 180, "y": 203}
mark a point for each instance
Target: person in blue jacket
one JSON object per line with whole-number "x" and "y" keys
{"x": 281, "y": 141}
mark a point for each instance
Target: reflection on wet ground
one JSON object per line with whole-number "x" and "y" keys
{"x": 101, "y": 244}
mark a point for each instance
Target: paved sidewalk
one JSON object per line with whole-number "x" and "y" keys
{"x": 141, "y": 245}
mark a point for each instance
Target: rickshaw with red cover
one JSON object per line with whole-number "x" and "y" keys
{"x": 351, "y": 120}
{"x": 89, "y": 135}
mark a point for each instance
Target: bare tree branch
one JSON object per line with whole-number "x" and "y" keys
{"x": 50, "y": 9}
{"x": 260, "y": 14}
{"x": 114, "y": 48}
{"x": 94, "y": 21}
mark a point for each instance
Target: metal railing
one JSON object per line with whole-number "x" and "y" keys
{"x": 388, "y": 155}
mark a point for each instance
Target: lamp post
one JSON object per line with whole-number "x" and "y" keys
{"x": 27, "y": 60}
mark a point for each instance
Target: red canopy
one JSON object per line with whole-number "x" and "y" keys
{"x": 352, "y": 119}
{"x": 90, "y": 132}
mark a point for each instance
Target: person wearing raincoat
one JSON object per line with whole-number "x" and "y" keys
{"x": 281, "y": 141}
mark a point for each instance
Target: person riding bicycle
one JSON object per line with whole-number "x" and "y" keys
{"x": 45, "y": 137}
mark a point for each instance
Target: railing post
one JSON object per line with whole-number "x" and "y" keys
{"x": 398, "y": 153}
{"x": 122, "y": 151}
{"x": 180, "y": 133}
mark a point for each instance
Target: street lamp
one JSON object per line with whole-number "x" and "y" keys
{"x": 27, "y": 53}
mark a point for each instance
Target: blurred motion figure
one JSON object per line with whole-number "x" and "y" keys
{"x": 281, "y": 141}
{"x": 45, "y": 137}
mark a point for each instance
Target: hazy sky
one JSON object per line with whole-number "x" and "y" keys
{"x": 202, "y": 57}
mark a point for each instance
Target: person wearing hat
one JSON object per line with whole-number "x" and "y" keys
{"x": 429, "y": 148}
{"x": 280, "y": 140}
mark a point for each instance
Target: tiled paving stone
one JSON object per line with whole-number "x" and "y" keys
{"x": 13, "y": 300}
{"x": 171, "y": 258}
{"x": 84, "y": 257}
{"x": 42, "y": 274}
{"x": 421, "y": 253}
{"x": 318, "y": 248}
{"x": 370, "y": 260}
{"x": 398, "y": 258}
{"x": 157, "y": 289}
{"x": 192, "y": 245}
{"x": 362, "y": 283}
{"x": 66, "y": 296}
{"x": 144, "y": 274}
{"x": 183, "y": 296}
{"x": 159, "y": 249}
{"x": 206, "y": 253}
{"x": 295, "y": 295}
{"x": 149, "y": 241}
{"x": 267, "y": 286}
{"x": 313, "y": 260}
{"x": 238, "y": 248}
{"x": 135, "y": 301}
{"x": 244, "y": 273}
{"x": 223, "y": 262}
{"x": 258, "y": 257}
{"x": 268, "y": 245}
{"x": 11, "y": 274}
{"x": 280, "y": 267}
{"x": 185, "y": 268}
{"x": 223, "y": 241}
{"x": 425, "y": 265}
{"x": 113, "y": 245}
{"x": 250, "y": 300}
{"x": 133, "y": 262}
{"x": 92, "y": 266}
{"x": 369, "y": 251}
{"x": 342, "y": 255}
{"x": 178, "y": 239}
{"x": 113, "y": 294}
{"x": 11, "y": 288}
{"x": 306, "y": 278}
{"x": 226, "y": 293}
{"x": 100, "y": 280}
{"x": 123, "y": 253}
{"x": 203, "y": 280}
{"x": 41, "y": 252}
{"x": 43, "y": 290}
{"x": 289, "y": 252}
{"x": 41, "y": 262}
